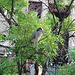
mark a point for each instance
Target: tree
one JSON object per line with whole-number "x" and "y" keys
{"x": 21, "y": 26}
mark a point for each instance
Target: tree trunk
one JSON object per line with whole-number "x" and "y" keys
{"x": 36, "y": 68}
{"x": 19, "y": 68}
{"x": 44, "y": 69}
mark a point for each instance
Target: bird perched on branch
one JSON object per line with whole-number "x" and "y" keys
{"x": 36, "y": 35}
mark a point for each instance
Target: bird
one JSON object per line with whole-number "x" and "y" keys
{"x": 36, "y": 35}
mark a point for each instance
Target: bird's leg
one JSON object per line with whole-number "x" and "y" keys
{"x": 37, "y": 46}
{"x": 34, "y": 44}
{"x": 37, "y": 43}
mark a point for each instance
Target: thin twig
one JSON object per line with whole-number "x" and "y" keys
{"x": 12, "y": 9}
{"x": 72, "y": 35}
{"x": 56, "y": 6}
{"x": 16, "y": 24}
{"x": 8, "y": 20}
{"x": 42, "y": 38}
{"x": 25, "y": 36}
{"x": 5, "y": 46}
{"x": 3, "y": 31}
{"x": 54, "y": 19}
{"x": 42, "y": 54}
{"x": 6, "y": 67}
{"x": 69, "y": 5}
{"x": 46, "y": 5}
{"x": 60, "y": 27}
{"x": 70, "y": 24}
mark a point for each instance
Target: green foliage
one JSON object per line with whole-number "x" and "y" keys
{"x": 6, "y": 66}
{"x": 72, "y": 54}
{"x": 18, "y": 5}
{"x": 66, "y": 70}
{"x": 2, "y": 38}
{"x": 28, "y": 22}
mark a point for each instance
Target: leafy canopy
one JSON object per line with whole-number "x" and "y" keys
{"x": 28, "y": 22}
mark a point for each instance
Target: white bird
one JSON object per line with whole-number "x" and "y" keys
{"x": 36, "y": 35}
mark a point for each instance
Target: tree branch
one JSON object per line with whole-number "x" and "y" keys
{"x": 5, "y": 46}
{"x": 60, "y": 27}
{"x": 46, "y": 5}
{"x": 56, "y": 6}
{"x": 69, "y": 5}
{"x": 70, "y": 24}
{"x": 12, "y": 10}
{"x": 43, "y": 38}
{"x": 16, "y": 24}
{"x": 8, "y": 20}
{"x": 6, "y": 67}
{"x": 72, "y": 35}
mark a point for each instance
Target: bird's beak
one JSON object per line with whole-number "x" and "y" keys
{"x": 43, "y": 31}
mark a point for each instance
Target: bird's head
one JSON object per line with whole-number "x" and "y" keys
{"x": 41, "y": 30}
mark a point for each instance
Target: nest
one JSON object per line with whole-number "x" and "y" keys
{"x": 60, "y": 13}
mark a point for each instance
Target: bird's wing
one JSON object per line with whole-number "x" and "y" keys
{"x": 33, "y": 36}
